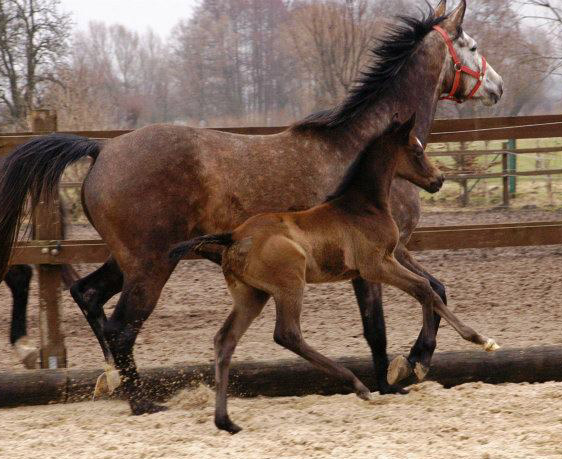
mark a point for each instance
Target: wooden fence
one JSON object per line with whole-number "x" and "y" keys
{"x": 49, "y": 251}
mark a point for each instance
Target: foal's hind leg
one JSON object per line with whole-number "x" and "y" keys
{"x": 139, "y": 297}
{"x": 248, "y": 303}
{"x": 288, "y": 334}
{"x": 18, "y": 279}
{"x": 369, "y": 298}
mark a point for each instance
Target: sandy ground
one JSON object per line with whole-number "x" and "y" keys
{"x": 513, "y": 295}
{"x": 475, "y": 421}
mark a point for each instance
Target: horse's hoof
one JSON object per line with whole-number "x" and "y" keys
{"x": 420, "y": 371}
{"x": 26, "y": 352}
{"x": 107, "y": 382}
{"x": 391, "y": 389}
{"x": 227, "y": 425}
{"x": 491, "y": 346}
{"x": 146, "y": 407}
{"x": 398, "y": 370}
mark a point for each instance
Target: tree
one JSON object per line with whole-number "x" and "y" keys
{"x": 33, "y": 37}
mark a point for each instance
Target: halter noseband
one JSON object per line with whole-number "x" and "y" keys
{"x": 459, "y": 69}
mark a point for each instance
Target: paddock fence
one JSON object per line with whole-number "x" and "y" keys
{"x": 49, "y": 250}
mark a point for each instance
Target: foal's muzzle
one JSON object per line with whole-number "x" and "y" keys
{"x": 436, "y": 185}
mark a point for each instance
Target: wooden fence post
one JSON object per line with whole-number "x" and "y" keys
{"x": 47, "y": 226}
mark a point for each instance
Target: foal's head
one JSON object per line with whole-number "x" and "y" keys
{"x": 412, "y": 163}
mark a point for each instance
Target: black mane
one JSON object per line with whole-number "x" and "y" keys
{"x": 389, "y": 57}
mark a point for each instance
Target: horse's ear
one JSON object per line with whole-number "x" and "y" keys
{"x": 454, "y": 22}
{"x": 441, "y": 9}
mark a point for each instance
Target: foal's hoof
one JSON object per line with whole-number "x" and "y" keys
{"x": 491, "y": 346}
{"x": 107, "y": 382}
{"x": 364, "y": 394}
{"x": 398, "y": 370}
{"x": 146, "y": 407}
{"x": 228, "y": 425}
{"x": 27, "y": 353}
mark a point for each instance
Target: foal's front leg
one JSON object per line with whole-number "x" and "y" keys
{"x": 288, "y": 334}
{"x": 393, "y": 273}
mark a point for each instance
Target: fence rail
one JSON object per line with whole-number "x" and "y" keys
{"x": 49, "y": 251}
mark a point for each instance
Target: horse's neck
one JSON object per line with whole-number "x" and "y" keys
{"x": 416, "y": 89}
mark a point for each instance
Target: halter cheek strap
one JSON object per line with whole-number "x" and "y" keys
{"x": 460, "y": 69}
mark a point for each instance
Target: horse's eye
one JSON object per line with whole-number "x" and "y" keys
{"x": 474, "y": 48}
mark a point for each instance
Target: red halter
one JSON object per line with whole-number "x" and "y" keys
{"x": 459, "y": 69}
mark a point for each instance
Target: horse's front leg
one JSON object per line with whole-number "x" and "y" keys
{"x": 406, "y": 259}
{"x": 369, "y": 298}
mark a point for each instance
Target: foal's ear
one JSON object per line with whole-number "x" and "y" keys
{"x": 454, "y": 22}
{"x": 408, "y": 127}
{"x": 441, "y": 9}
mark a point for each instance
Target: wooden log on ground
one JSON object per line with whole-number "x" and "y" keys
{"x": 286, "y": 377}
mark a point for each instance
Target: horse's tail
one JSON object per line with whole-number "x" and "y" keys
{"x": 34, "y": 168}
{"x": 199, "y": 246}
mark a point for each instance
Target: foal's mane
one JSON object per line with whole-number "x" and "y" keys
{"x": 389, "y": 57}
{"x": 356, "y": 167}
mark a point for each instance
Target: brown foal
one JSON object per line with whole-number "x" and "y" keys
{"x": 352, "y": 234}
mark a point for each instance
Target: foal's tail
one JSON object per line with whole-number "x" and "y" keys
{"x": 34, "y": 168}
{"x": 199, "y": 246}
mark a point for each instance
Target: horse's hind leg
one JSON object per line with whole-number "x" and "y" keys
{"x": 138, "y": 299}
{"x": 369, "y": 298}
{"x": 288, "y": 334}
{"x": 92, "y": 292}
{"x": 248, "y": 303}
{"x": 18, "y": 279}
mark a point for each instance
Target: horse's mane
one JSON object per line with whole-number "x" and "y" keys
{"x": 389, "y": 57}
{"x": 358, "y": 164}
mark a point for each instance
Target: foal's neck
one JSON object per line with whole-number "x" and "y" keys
{"x": 369, "y": 189}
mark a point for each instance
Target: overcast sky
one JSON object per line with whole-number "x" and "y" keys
{"x": 161, "y": 15}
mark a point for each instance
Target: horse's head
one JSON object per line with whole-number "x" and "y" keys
{"x": 412, "y": 163}
{"x": 467, "y": 74}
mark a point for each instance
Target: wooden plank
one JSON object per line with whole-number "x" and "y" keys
{"x": 480, "y": 238}
{"x": 523, "y": 151}
{"x": 502, "y": 133}
{"x": 424, "y": 238}
{"x": 293, "y": 377}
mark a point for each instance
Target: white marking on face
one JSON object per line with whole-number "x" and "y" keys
{"x": 419, "y": 143}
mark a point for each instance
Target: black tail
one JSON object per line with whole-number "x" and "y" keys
{"x": 34, "y": 168}
{"x": 198, "y": 245}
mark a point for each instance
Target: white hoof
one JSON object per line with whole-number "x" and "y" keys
{"x": 107, "y": 382}
{"x": 491, "y": 346}
{"x": 26, "y": 352}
